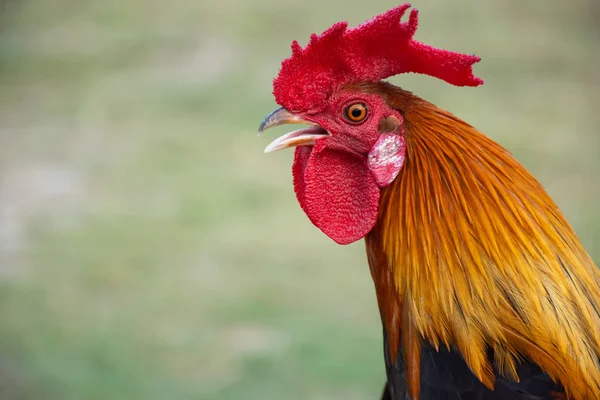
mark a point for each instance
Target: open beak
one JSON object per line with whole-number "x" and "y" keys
{"x": 301, "y": 137}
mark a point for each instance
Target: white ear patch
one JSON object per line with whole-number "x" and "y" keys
{"x": 386, "y": 158}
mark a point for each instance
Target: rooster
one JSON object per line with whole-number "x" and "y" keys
{"x": 483, "y": 288}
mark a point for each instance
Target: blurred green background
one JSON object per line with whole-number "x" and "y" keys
{"x": 150, "y": 250}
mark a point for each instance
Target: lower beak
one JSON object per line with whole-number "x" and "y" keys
{"x": 301, "y": 137}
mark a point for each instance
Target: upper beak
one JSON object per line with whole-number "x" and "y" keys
{"x": 300, "y": 137}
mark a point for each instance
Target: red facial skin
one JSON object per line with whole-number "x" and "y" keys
{"x": 354, "y": 137}
{"x": 332, "y": 179}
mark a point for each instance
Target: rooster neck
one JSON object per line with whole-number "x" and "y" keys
{"x": 470, "y": 253}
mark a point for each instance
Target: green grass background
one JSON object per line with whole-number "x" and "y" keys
{"x": 150, "y": 250}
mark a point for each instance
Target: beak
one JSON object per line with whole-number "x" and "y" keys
{"x": 300, "y": 137}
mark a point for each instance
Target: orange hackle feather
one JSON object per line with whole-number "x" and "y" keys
{"x": 470, "y": 252}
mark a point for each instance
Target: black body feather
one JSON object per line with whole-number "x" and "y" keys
{"x": 446, "y": 376}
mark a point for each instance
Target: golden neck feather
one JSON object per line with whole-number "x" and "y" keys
{"x": 470, "y": 252}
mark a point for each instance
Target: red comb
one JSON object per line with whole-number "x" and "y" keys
{"x": 375, "y": 50}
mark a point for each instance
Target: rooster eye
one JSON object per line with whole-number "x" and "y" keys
{"x": 356, "y": 112}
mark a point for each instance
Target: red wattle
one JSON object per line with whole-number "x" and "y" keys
{"x": 337, "y": 192}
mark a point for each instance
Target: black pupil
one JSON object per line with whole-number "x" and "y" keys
{"x": 356, "y": 112}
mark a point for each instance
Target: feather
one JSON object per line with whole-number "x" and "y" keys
{"x": 483, "y": 256}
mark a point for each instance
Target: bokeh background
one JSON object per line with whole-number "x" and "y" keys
{"x": 150, "y": 250}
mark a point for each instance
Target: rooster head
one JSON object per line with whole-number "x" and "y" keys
{"x": 354, "y": 144}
